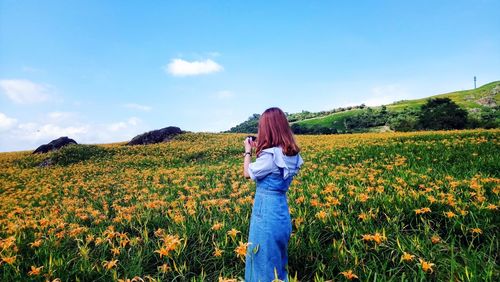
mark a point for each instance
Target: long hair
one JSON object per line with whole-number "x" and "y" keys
{"x": 274, "y": 131}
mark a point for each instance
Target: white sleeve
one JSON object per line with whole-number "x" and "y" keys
{"x": 262, "y": 166}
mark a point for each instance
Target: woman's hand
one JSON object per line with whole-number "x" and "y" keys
{"x": 248, "y": 143}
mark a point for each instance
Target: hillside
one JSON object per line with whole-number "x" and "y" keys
{"x": 376, "y": 204}
{"x": 474, "y": 101}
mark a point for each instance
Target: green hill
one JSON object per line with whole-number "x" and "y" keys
{"x": 475, "y": 101}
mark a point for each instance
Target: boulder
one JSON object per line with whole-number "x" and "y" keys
{"x": 54, "y": 145}
{"x": 156, "y": 136}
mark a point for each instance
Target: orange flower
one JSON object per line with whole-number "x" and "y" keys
{"x": 422, "y": 210}
{"x": 9, "y": 260}
{"x": 241, "y": 250}
{"x": 164, "y": 268}
{"x": 435, "y": 239}
{"x": 321, "y": 215}
{"x": 426, "y": 266}
{"x": 349, "y": 275}
{"x": 476, "y": 230}
{"x": 109, "y": 264}
{"x": 217, "y": 226}
{"x": 35, "y": 270}
{"x": 35, "y": 244}
{"x": 450, "y": 214}
{"x": 115, "y": 251}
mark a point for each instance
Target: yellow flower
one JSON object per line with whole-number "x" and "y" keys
{"x": 35, "y": 270}
{"x": 233, "y": 232}
{"x": 217, "y": 252}
{"x": 407, "y": 257}
{"x": 349, "y": 275}
{"x": 426, "y": 266}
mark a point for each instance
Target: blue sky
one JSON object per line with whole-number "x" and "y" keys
{"x": 104, "y": 71}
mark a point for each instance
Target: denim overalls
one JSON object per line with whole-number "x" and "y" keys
{"x": 270, "y": 229}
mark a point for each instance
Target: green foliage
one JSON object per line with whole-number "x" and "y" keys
{"x": 442, "y": 113}
{"x": 74, "y": 153}
{"x": 367, "y": 118}
{"x": 249, "y": 126}
{"x": 406, "y": 120}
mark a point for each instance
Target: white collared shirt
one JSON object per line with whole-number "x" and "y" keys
{"x": 271, "y": 160}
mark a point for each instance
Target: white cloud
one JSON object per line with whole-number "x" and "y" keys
{"x": 137, "y": 107}
{"x": 133, "y": 121}
{"x": 30, "y": 135}
{"x": 386, "y": 94}
{"x": 179, "y": 67}
{"x": 6, "y": 122}
{"x": 60, "y": 115}
{"x": 224, "y": 94}
{"x": 23, "y": 91}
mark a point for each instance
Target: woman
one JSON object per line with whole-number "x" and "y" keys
{"x": 278, "y": 161}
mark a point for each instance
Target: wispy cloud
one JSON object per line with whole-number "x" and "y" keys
{"x": 137, "y": 107}
{"x": 386, "y": 94}
{"x": 23, "y": 91}
{"x": 180, "y": 67}
{"x": 30, "y": 69}
{"x": 224, "y": 94}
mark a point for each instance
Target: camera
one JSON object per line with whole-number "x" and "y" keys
{"x": 253, "y": 138}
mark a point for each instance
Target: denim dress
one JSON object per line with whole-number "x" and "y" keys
{"x": 270, "y": 229}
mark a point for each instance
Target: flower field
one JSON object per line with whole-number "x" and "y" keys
{"x": 418, "y": 206}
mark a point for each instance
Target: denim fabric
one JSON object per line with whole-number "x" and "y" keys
{"x": 270, "y": 229}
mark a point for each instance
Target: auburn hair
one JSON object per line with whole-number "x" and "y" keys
{"x": 274, "y": 131}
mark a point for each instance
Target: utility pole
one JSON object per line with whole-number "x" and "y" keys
{"x": 474, "y": 82}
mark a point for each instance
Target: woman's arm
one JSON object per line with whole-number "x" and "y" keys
{"x": 248, "y": 157}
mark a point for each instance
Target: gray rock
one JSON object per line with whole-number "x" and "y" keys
{"x": 156, "y": 136}
{"x": 54, "y": 145}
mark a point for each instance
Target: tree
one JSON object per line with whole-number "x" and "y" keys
{"x": 442, "y": 113}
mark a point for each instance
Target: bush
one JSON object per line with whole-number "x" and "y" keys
{"x": 442, "y": 113}
{"x": 77, "y": 153}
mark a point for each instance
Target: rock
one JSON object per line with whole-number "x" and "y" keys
{"x": 54, "y": 145}
{"x": 156, "y": 136}
{"x": 488, "y": 101}
{"x": 495, "y": 90}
